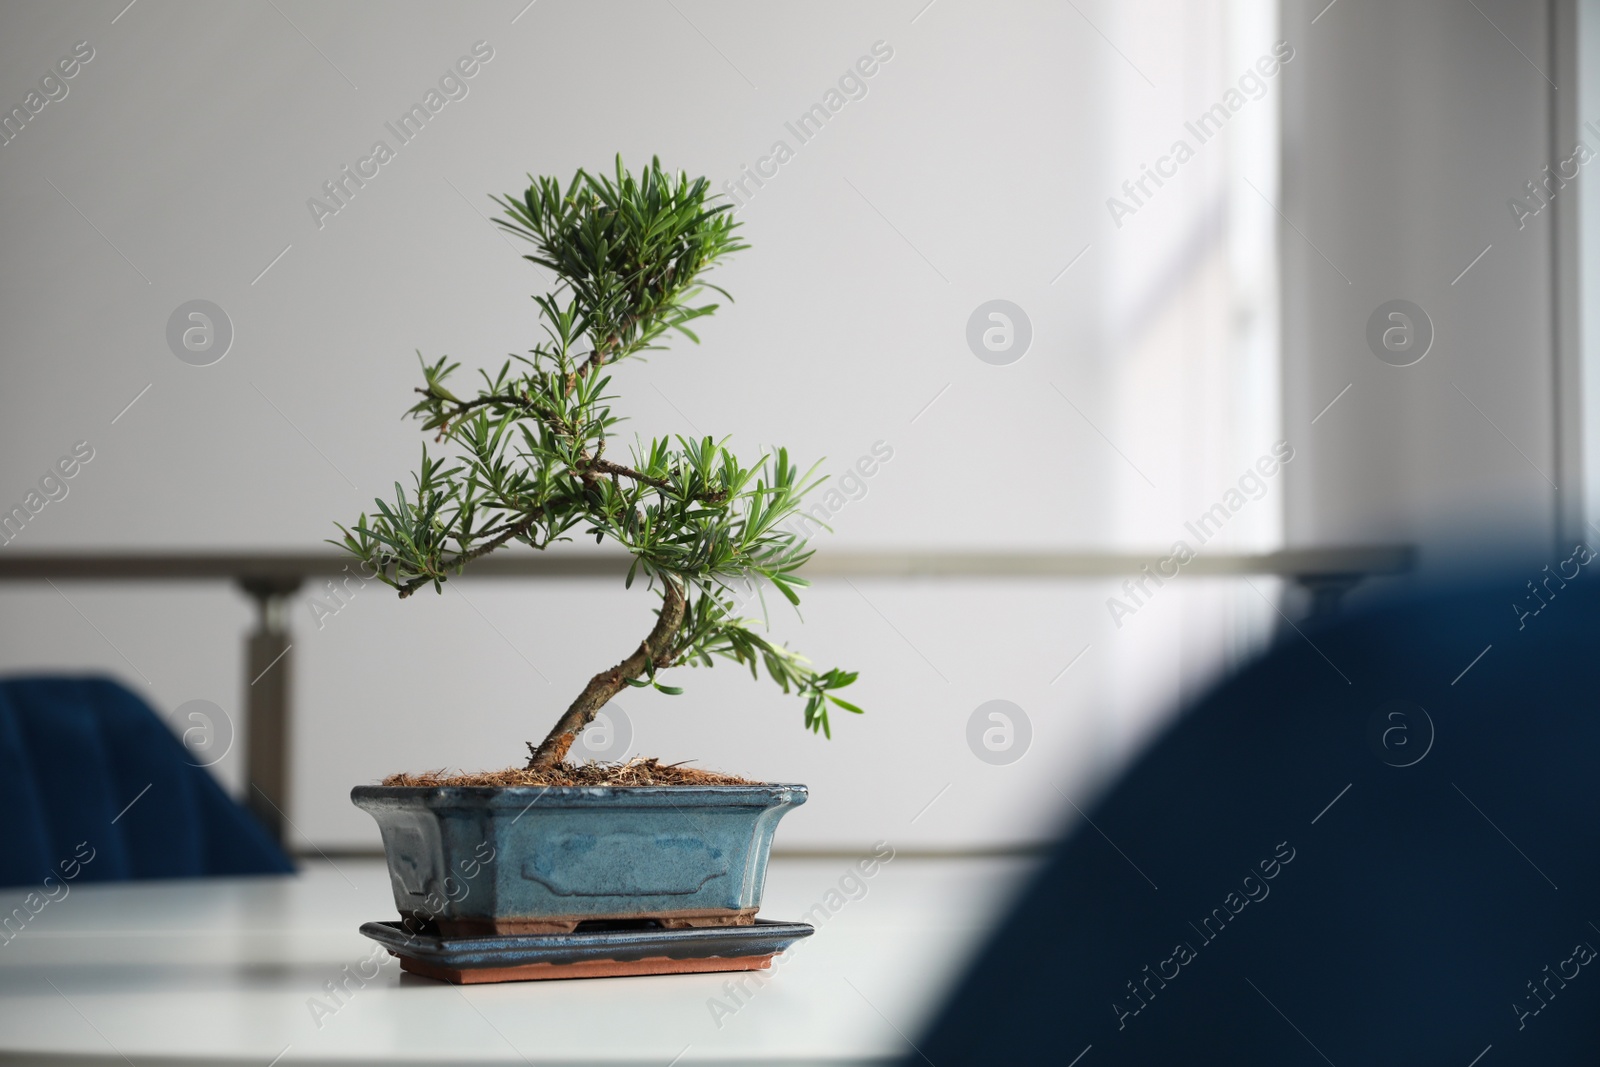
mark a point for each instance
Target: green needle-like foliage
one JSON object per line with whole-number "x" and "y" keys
{"x": 527, "y": 459}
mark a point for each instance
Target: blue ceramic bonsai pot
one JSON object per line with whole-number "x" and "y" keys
{"x": 478, "y": 861}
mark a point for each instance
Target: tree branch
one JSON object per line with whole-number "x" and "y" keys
{"x": 605, "y": 466}
{"x": 462, "y": 407}
{"x": 516, "y": 529}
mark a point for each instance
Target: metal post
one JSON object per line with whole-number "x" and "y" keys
{"x": 267, "y": 678}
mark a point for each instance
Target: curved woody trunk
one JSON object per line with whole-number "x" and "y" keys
{"x": 602, "y": 687}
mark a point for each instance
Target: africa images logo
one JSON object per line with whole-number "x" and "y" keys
{"x": 342, "y": 188}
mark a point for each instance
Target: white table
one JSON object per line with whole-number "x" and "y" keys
{"x": 225, "y": 972}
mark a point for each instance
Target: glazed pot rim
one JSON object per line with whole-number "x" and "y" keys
{"x": 522, "y": 792}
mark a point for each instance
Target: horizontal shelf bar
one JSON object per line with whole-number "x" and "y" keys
{"x": 279, "y": 567}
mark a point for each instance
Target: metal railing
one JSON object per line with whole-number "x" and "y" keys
{"x": 272, "y": 578}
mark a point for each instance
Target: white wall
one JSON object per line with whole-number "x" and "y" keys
{"x": 977, "y": 166}
{"x": 1579, "y": 259}
{"x": 1408, "y": 127}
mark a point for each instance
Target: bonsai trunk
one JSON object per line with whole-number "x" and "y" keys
{"x": 607, "y": 684}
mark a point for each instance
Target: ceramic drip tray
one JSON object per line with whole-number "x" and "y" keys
{"x": 594, "y": 950}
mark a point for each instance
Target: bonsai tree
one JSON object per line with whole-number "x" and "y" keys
{"x": 530, "y": 463}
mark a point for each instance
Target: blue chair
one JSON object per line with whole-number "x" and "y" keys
{"x": 86, "y": 765}
{"x": 1358, "y": 842}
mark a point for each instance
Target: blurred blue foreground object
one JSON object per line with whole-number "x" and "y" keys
{"x": 1378, "y": 844}
{"x": 95, "y": 788}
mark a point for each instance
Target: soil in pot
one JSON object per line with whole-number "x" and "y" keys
{"x": 640, "y": 771}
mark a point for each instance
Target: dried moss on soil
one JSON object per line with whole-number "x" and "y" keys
{"x": 635, "y": 772}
